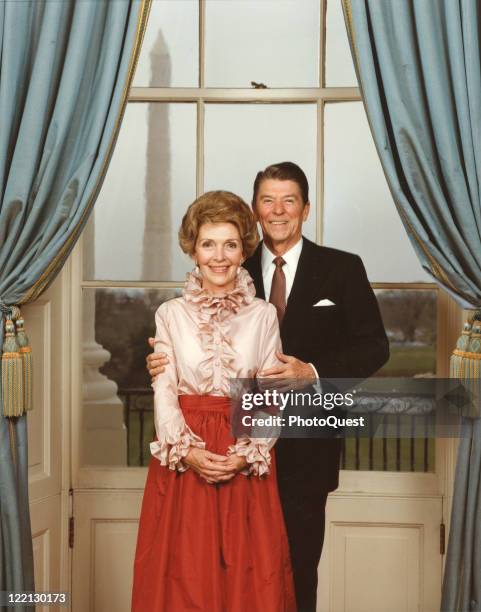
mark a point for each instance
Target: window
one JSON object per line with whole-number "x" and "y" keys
{"x": 224, "y": 88}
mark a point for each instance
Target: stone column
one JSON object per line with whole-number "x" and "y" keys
{"x": 104, "y": 435}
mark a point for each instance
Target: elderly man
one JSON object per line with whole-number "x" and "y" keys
{"x": 330, "y": 328}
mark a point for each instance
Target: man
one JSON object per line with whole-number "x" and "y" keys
{"x": 342, "y": 337}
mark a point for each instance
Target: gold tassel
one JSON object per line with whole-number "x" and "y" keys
{"x": 12, "y": 382}
{"x": 465, "y": 362}
{"x": 25, "y": 351}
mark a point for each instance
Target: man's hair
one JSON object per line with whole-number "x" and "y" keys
{"x": 283, "y": 171}
{"x": 219, "y": 207}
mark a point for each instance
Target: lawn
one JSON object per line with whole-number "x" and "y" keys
{"x": 410, "y": 361}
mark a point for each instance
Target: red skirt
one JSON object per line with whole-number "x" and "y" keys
{"x": 212, "y": 548}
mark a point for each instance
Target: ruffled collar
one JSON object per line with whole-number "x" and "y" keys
{"x": 223, "y": 304}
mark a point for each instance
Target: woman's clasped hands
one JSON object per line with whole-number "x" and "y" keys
{"x": 214, "y": 468}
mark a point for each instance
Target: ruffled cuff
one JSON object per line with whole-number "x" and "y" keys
{"x": 256, "y": 453}
{"x": 172, "y": 450}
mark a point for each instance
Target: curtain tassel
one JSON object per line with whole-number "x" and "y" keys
{"x": 12, "y": 377}
{"x": 465, "y": 361}
{"x": 25, "y": 351}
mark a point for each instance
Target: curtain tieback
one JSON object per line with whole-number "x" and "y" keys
{"x": 465, "y": 362}
{"x": 17, "y": 376}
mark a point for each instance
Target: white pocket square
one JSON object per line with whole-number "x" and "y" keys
{"x": 324, "y": 302}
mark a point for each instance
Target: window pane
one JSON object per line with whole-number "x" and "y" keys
{"x": 410, "y": 320}
{"x": 241, "y": 139}
{"x": 359, "y": 213}
{"x": 170, "y": 49}
{"x": 339, "y": 65}
{"x": 117, "y": 396}
{"x": 271, "y": 42}
{"x": 150, "y": 182}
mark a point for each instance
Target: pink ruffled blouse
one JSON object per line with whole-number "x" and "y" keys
{"x": 210, "y": 339}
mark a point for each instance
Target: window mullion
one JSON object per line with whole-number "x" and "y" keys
{"x": 201, "y": 43}
{"x": 320, "y": 172}
{"x": 200, "y": 147}
{"x": 322, "y": 44}
{"x": 293, "y": 95}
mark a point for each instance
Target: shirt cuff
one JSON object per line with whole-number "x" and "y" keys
{"x": 256, "y": 453}
{"x": 317, "y": 385}
{"x": 314, "y": 369}
{"x": 171, "y": 450}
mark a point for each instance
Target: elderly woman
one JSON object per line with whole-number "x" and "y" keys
{"x": 211, "y": 534}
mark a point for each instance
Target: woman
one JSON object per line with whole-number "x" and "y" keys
{"x": 211, "y": 534}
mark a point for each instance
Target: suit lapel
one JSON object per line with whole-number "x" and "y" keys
{"x": 254, "y": 266}
{"x": 306, "y": 276}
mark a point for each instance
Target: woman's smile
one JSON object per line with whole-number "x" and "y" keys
{"x": 218, "y": 253}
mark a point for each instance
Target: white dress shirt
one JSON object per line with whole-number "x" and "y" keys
{"x": 291, "y": 257}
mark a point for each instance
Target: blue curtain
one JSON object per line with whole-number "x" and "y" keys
{"x": 16, "y": 567}
{"x": 65, "y": 70}
{"x": 418, "y": 66}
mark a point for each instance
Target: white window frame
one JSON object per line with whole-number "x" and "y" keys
{"x": 447, "y": 312}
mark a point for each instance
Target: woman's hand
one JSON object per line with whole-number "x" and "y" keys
{"x": 237, "y": 462}
{"x": 211, "y": 467}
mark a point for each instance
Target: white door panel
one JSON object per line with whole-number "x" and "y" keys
{"x": 48, "y": 444}
{"x": 46, "y": 519}
{"x": 381, "y": 554}
{"x": 106, "y": 524}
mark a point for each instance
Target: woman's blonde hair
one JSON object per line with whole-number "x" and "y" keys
{"x": 219, "y": 207}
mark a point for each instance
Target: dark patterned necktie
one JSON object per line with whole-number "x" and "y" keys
{"x": 278, "y": 289}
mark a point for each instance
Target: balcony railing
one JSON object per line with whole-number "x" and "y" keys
{"x": 139, "y": 421}
{"x": 358, "y": 453}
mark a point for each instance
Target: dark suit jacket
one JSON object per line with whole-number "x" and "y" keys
{"x": 346, "y": 340}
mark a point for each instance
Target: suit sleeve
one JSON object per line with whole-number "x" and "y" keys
{"x": 256, "y": 449}
{"x": 367, "y": 347}
{"x": 174, "y": 437}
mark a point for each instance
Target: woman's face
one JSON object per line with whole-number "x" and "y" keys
{"x": 218, "y": 253}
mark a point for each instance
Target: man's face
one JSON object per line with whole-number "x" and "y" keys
{"x": 281, "y": 212}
